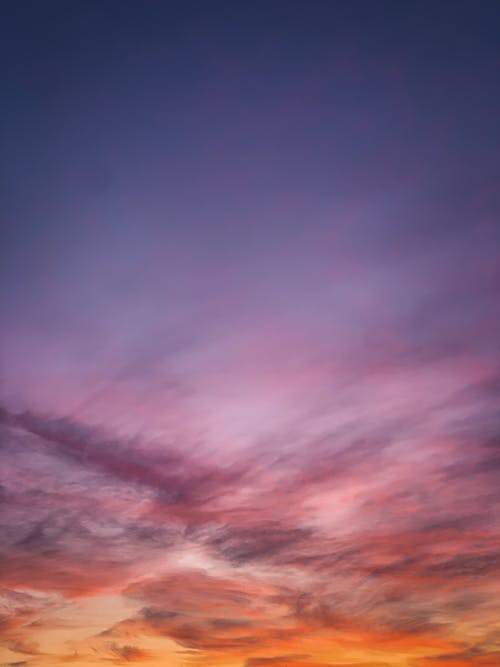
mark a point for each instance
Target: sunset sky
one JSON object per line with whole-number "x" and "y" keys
{"x": 250, "y": 333}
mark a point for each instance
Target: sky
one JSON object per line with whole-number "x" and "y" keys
{"x": 250, "y": 333}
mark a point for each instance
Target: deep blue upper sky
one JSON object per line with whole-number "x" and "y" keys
{"x": 148, "y": 145}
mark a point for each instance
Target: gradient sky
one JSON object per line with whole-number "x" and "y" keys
{"x": 250, "y": 338}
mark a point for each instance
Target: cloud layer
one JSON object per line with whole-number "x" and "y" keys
{"x": 348, "y": 545}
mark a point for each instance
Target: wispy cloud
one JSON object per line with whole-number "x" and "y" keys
{"x": 412, "y": 562}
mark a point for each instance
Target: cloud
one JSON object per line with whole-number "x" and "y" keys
{"x": 473, "y": 655}
{"x": 278, "y": 660}
{"x": 266, "y": 540}
{"x": 128, "y": 653}
{"x": 207, "y": 613}
{"x": 71, "y": 495}
{"x": 298, "y": 660}
{"x": 350, "y": 536}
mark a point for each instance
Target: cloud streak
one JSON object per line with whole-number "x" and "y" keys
{"x": 289, "y": 553}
